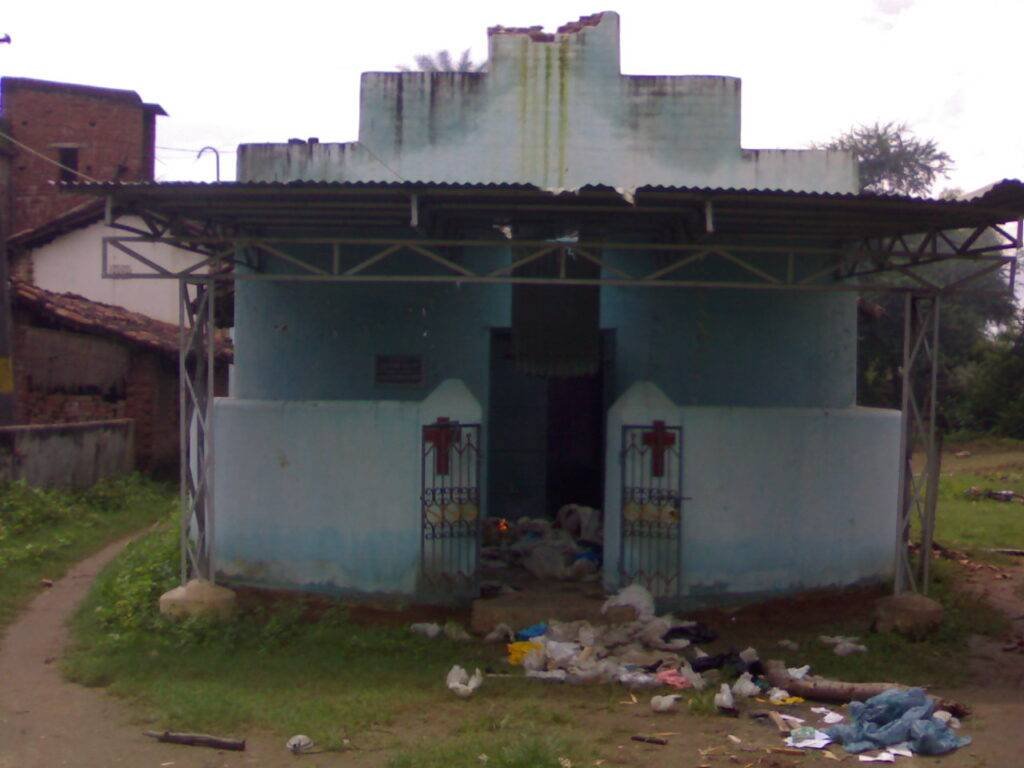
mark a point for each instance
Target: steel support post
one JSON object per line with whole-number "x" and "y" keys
{"x": 918, "y": 487}
{"x": 196, "y": 367}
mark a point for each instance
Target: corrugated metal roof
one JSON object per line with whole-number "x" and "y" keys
{"x": 778, "y": 216}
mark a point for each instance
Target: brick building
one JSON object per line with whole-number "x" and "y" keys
{"x": 103, "y": 133}
{"x": 79, "y": 360}
{"x": 86, "y": 348}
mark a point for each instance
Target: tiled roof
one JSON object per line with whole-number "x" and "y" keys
{"x": 77, "y": 313}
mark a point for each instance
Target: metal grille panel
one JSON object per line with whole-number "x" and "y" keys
{"x": 652, "y": 483}
{"x": 450, "y": 507}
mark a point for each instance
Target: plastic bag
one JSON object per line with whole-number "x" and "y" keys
{"x": 637, "y": 597}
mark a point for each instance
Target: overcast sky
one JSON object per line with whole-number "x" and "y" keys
{"x": 233, "y": 72}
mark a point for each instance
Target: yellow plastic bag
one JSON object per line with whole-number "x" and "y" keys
{"x": 517, "y": 652}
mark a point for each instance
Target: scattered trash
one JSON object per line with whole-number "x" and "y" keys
{"x": 673, "y": 678}
{"x": 558, "y": 675}
{"x": 734, "y": 739}
{"x": 837, "y": 639}
{"x": 749, "y": 655}
{"x": 461, "y": 684}
{"x": 827, "y": 715}
{"x": 777, "y": 695}
{"x": 894, "y": 717}
{"x": 299, "y": 744}
{"x": 792, "y": 719}
{"x": 789, "y": 645}
{"x": 962, "y": 454}
{"x": 974, "y": 492}
{"x": 46, "y": 582}
{"x": 501, "y": 633}
{"x": 665, "y": 704}
{"x": 517, "y": 652}
{"x": 635, "y": 596}
{"x": 808, "y": 737}
{"x": 845, "y": 648}
{"x": 537, "y": 630}
{"x": 430, "y": 630}
{"x": 745, "y": 687}
{"x": 455, "y": 631}
{"x": 1015, "y": 646}
{"x": 725, "y": 702}
{"x": 799, "y": 673}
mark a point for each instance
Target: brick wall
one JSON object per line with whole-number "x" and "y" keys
{"x": 152, "y": 401}
{"x": 113, "y": 131}
{"x": 145, "y": 390}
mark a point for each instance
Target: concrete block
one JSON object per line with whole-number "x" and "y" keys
{"x": 198, "y": 598}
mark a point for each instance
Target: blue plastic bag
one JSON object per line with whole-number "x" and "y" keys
{"x": 893, "y": 717}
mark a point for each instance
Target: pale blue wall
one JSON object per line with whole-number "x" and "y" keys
{"x": 303, "y": 341}
{"x": 779, "y": 499}
{"x": 325, "y": 495}
{"x": 736, "y": 347}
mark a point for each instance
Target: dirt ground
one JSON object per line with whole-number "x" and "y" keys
{"x": 45, "y": 721}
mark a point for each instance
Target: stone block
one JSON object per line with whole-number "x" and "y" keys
{"x": 198, "y": 598}
{"x": 908, "y": 614}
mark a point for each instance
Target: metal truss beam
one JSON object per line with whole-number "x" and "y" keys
{"x": 759, "y": 267}
{"x": 196, "y": 376}
{"x": 918, "y": 487}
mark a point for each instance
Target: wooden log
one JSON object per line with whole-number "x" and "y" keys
{"x": 821, "y": 689}
{"x": 197, "y": 740}
{"x": 650, "y": 740}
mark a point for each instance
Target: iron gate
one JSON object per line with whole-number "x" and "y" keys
{"x": 450, "y": 507}
{"x": 652, "y": 506}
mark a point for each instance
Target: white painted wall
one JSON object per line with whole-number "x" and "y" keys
{"x": 72, "y": 264}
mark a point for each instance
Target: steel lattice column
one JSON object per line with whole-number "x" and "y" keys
{"x": 918, "y": 490}
{"x": 196, "y": 375}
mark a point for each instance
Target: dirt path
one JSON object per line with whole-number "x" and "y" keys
{"x": 47, "y": 722}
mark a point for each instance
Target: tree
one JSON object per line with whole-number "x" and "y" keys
{"x": 892, "y": 160}
{"x": 442, "y": 61}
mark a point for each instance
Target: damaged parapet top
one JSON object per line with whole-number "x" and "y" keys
{"x": 537, "y": 33}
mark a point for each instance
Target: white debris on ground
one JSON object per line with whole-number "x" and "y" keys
{"x": 745, "y": 687}
{"x": 664, "y": 704}
{"x": 778, "y": 695}
{"x": 724, "y": 699}
{"x": 299, "y": 743}
{"x": 799, "y": 673}
{"x": 461, "y": 684}
{"x": 430, "y": 630}
{"x": 789, "y": 645}
{"x": 808, "y": 737}
{"x": 828, "y": 716}
{"x": 500, "y": 634}
{"x": 843, "y": 645}
{"x": 635, "y": 596}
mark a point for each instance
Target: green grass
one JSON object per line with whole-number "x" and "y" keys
{"x": 269, "y": 669}
{"x": 931, "y": 661}
{"x": 502, "y": 750}
{"x": 979, "y": 524}
{"x": 43, "y": 532}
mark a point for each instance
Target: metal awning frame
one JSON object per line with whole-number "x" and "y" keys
{"x": 857, "y": 266}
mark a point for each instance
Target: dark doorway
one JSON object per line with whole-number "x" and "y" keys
{"x": 545, "y": 436}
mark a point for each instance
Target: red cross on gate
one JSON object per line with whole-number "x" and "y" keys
{"x": 442, "y": 434}
{"x": 658, "y": 440}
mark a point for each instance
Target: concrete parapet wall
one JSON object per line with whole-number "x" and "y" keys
{"x": 67, "y": 455}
